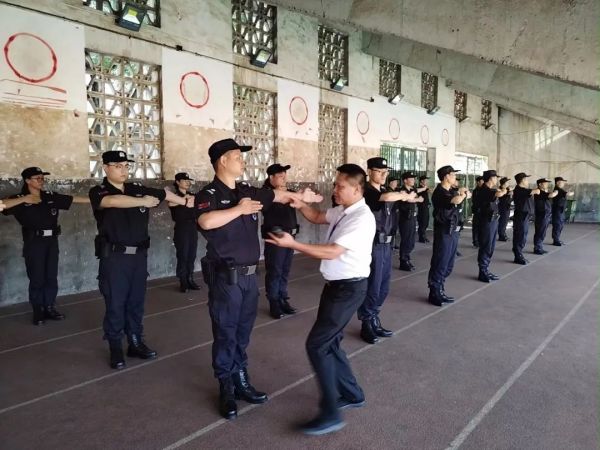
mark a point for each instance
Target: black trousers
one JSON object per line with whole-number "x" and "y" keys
{"x": 503, "y": 222}
{"x": 186, "y": 244}
{"x": 41, "y": 262}
{"x": 407, "y": 237}
{"x": 475, "y": 230}
{"x": 558, "y": 222}
{"x": 278, "y": 262}
{"x": 339, "y": 301}
{"x": 520, "y": 231}
{"x": 423, "y": 221}
{"x": 122, "y": 282}
{"x": 442, "y": 257}
{"x": 488, "y": 230}
{"x": 541, "y": 227}
{"x": 378, "y": 285}
{"x": 232, "y": 311}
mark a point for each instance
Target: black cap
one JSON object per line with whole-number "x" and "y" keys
{"x": 277, "y": 168}
{"x": 423, "y": 177}
{"x": 557, "y": 179}
{"x": 377, "y": 163}
{"x": 115, "y": 156}
{"x": 542, "y": 180}
{"x": 478, "y": 178}
{"x": 406, "y": 175}
{"x": 219, "y": 148}
{"x": 183, "y": 176}
{"x": 351, "y": 169}
{"x": 487, "y": 174}
{"x": 520, "y": 176}
{"x": 32, "y": 172}
{"x": 445, "y": 170}
{"x": 393, "y": 179}
{"x": 503, "y": 180}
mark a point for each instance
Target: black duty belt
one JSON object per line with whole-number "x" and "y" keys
{"x": 241, "y": 270}
{"x": 382, "y": 238}
{"x": 29, "y": 232}
{"x": 128, "y": 249}
{"x": 345, "y": 281}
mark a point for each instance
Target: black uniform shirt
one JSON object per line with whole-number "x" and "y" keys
{"x": 505, "y": 201}
{"x": 181, "y": 213}
{"x": 406, "y": 210}
{"x": 425, "y": 203}
{"x": 235, "y": 242}
{"x": 560, "y": 201}
{"x": 279, "y": 215}
{"x": 43, "y": 215}
{"x": 523, "y": 200}
{"x": 383, "y": 211}
{"x": 542, "y": 203}
{"x": 486, "y": 202}
{"x": 444, "y": 211}
{"x": 125, "y": 226}
{"x": 474, "y": 202}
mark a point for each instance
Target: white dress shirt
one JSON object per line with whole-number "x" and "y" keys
{"x": 354, "y": 229}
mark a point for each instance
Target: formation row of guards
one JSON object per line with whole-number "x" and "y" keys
{"x": 356, "y": 256}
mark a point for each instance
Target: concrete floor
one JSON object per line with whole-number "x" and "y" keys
{"x": 510, "y": 365}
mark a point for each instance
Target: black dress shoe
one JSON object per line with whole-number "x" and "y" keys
{"x": 139, "y": 349}
{"x": 38, "y": 315}
{"x": 285, "y": 306}
{"x": 422, "y": 241}
{"x": 483, "y": 277}
{"x": 378, "y": 329}
{"x": 192, "y": 284}
{"x": 427, "y": 241}
{"x": 275, "y": 309}
{"x": 367, "y": 333}
{"x": 435, "y": 297}
{"x": 319, "y": 426}
{"x": 117, "y": 360}
{"x": 557, "y": 244}
{"x": 227, "y": 405}
{"x": 446, "y": 298}
{"x": 492, "y": 276}
{"x": 406, "y": 266}
{"x": 183, "y": 288}
{"x": 521, "y": 261}
{"x": 51, "y": 313}
{"x": 244, "y": 390}
{"x": 540, "y": 252}
{"x": 344, "y": 403}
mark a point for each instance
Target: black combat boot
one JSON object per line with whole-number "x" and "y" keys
{"x": 378, "y": 329}
{"x": 117, "y": 360}
{"x": 244, "y": 390}
{"x": 275, "y": 309}
{"x": 183, "y": 285}
{"x": 445, "y": 297}
{"x": 483, "y": 276}
{"x": 139, "y": 349}
{"x": 367, "y": 333}
{"x": 285, "y": 306}
{"x": 406, "y": 265}
{"x": 38, "y": 315}
{"x": 435, "y": 297}
{"x": 192, "y": 284}
{"x": 227, "y": 405}
{"x": 51, "y": 313}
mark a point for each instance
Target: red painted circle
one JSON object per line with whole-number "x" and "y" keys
{"x": 424, "y": 134}
{"x": 358, "y": 125}
{"x": 182, "y": 89}
{"x": 11, "y": 40}
{"x": 394, "y": 129}
{"x": 299, "y": 102}
{"x": 445, "y": 137}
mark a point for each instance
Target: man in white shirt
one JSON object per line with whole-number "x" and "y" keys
{"x": 345, "y": 265}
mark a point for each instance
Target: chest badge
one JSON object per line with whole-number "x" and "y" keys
{"x": 53, "y": 211}
{"x": 142, "y": 209}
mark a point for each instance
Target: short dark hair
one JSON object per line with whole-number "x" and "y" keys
{"x": 355, "y": 173}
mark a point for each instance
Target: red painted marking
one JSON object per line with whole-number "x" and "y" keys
{"x": 397, "y": 135}
{"x": 363, "y": 132}
{"x": 182, "y": 89}
{"x": 19, "y": 74}
{"x": 298, "y": 99}
{"x": 424, "y": 134}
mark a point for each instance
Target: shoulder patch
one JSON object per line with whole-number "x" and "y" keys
{"x": 210, "y": 191}
{"x": 137, "y": 183}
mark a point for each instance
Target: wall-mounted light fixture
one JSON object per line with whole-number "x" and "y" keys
{"x": 338, "y": 84}
{"x": 395, "y": 99}
{"x": 131, "y": 17}
{"x": 261, "y": 58}
{"x": 433, "y": 110}
{"x": 463, "y": 119}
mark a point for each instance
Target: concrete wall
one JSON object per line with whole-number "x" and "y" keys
{"x": 56, "y": 139}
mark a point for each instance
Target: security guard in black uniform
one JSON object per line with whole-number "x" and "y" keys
{"x": 278, "y": 217}
{"x": 186, "y": 234}
{"x": 228, "y": 221}
{"x": 423, "y": 209}
{"x": 558, "y": 210}
{"x": 524, "y": 207}
{"x": 487, "y": 211}
{"x": 36, "y": 210}
{"x": 461, "y": 219}
{"x": 504, "y": 203}
{"x": 407, "y": 214}
{"x": 475, "y": 224}
{"x": 543, "y": 213}
{"x": 381, "y": 202}
{"x": 122, "y": 212}
{"x": 446, "y": 201}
